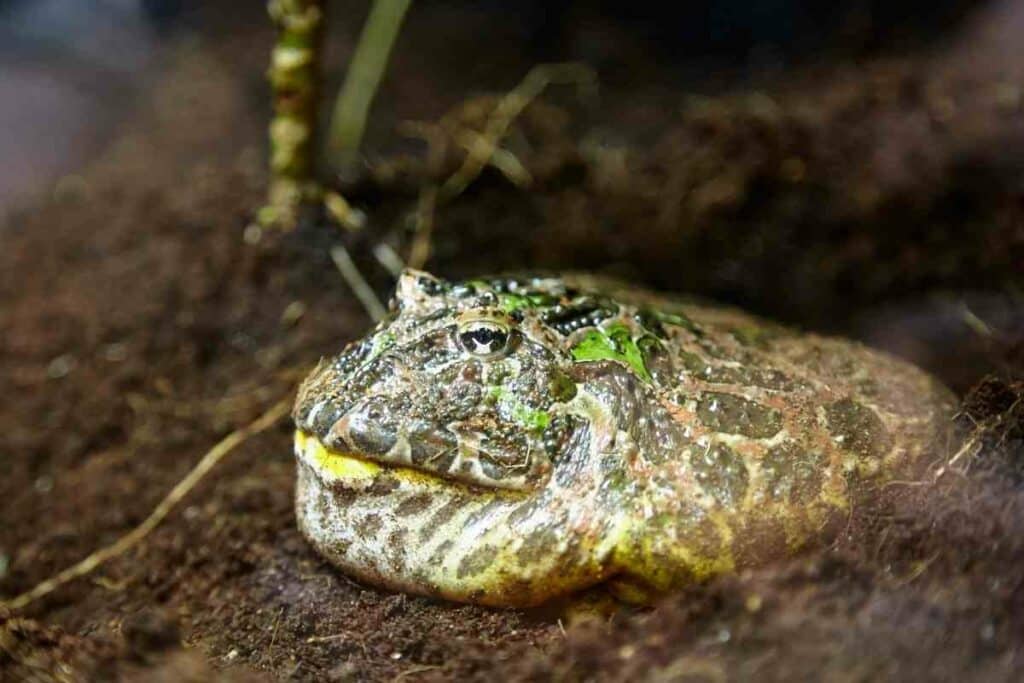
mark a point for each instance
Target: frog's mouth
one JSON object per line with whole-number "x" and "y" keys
{"x": 350, "y": 466}
{"x": 336, "y": 465}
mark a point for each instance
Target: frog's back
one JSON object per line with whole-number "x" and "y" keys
{"x": 774, "y": 434}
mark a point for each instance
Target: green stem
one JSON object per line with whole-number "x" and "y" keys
{"x": 294, "y": 79}
{"x": 363, "y": 78}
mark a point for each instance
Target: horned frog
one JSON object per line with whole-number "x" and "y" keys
{"x": 506, "y": 441}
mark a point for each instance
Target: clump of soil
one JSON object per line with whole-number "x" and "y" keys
{"x": 143, "y": 321}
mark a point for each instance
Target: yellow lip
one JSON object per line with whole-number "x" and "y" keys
{"x": 336, "y": 463}
{"x": 341, "y": 466}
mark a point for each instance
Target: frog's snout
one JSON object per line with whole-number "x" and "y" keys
{"x": 367, "y": 428}
{"x": 380, "y": 431}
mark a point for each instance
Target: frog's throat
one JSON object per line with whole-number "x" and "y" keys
{"x": 407, "y": 530}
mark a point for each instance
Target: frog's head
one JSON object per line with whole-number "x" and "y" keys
{"x": 472, "y": 444}
{"x": 464, "y": 381}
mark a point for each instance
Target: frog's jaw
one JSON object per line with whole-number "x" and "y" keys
{"x": 393, "y": 416}
{"x": 448, "y": 453}
{"x": 407, "y": 530}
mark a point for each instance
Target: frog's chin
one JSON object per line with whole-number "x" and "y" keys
{"x": 349, "y": 467}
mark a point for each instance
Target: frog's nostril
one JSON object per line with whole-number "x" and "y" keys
{"x": 337, "y": 435}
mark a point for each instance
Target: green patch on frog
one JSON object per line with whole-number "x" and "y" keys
{"x": 534, "y": 420}
{"x": 381, "y": 343}
{"x": 613, "y": 343}
{"x": 515, "y": 302}
{"x": 562, "y": 388}
{"x": 616, "y": 480}
{"x": 496, "y": 393}
{"x": 499, "y": 373}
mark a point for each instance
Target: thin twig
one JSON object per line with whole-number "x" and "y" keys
{"x": 505, "y": 113}
{"x": 328, "y": 639}
{"x": 506, "y": 162}
{"x": 968, "y": 448}
{"x": 920, "y": 567}
{"x": 419, "y": 252}
{"x": 482, "y": 149}
{"x": 348, "y": 216}
{"x": 972, "y": 320}
{"x": 389, "y": 258}
{"x": 360, "y": 287}
{"x": 415, "y": 671}
{"x": 273, "y": 638}
{"x": 123, "y": 544}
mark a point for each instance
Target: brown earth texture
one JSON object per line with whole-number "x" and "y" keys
{"x": 880, "y": 196}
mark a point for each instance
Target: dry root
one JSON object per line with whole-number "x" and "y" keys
{"x": 133, "y": 537}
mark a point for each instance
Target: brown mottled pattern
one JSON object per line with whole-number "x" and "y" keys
{"x": 441, "y": 518}
{"x": 722, "y": 473}
{"x": 414, "y": 504}
{"x": 476, "y": 561}
{"x": 565, "y": 454}
{"x": 857, "y": 428}
{"x": 791, "y": 473}
{"x": 736, "y": 415}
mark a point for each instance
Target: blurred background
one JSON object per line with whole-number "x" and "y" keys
{"x": 75, "y": 70}
{"x": 852, "y": 167}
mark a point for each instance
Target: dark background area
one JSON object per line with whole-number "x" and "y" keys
{"x": 73, "y": 69}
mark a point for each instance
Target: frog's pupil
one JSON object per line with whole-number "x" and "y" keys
{"x": 484, "y": 339}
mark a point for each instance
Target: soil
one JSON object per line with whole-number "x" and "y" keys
{"x": 882, "y": 198}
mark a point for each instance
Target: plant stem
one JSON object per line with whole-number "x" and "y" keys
{"x": 364, "y": 74}
{"x": 294, "y": 79}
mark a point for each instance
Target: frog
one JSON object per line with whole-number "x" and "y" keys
{"x": 509, "y": 441}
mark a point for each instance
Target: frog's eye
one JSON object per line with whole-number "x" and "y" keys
{"x": 484, "y": 338}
